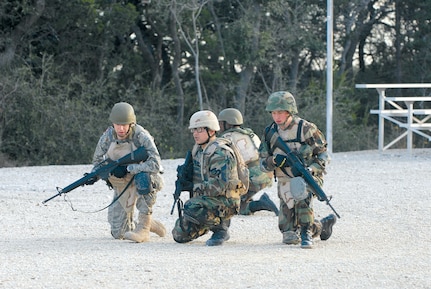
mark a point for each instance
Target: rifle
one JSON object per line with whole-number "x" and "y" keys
{"x": 102, "y": 171}
{"x": 295, "y": 163}
{"x": 184, "y": 181}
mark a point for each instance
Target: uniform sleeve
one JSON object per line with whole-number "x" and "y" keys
{"x": 317, "y": 148}
{"x": 153, "y": 163}
{"x": 102, "y": 147}
{"x": 265, "y": 159}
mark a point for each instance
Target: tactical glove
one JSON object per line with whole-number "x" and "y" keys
{"x": 280, "y": 161}
{"x": 119, "y": 172}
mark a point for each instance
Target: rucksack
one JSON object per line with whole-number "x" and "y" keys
{"x": 246, "y": 141}
{"x": 242, "y": 169}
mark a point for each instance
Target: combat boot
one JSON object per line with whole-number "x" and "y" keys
{"x": 291, "y": 238}
{"x": 157, "y": 228}
{"x": 142, "y": 231}
{"x": 327, "y": 224}
{"x": 220, "y": 234}
{"x": 306, "y": 237}
{"x": 264, "y": 203}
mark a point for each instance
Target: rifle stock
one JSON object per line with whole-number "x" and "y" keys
{"x": 296, "y": 165}
{"x": 103, "y": 170}
{"x": 184, "y": 172}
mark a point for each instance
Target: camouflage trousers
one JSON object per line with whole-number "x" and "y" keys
{"x": 258, "y": 181}
{"x": 120, "y": 217}
{"x": 202, "y": 214}
{"x": 245, "y": 201}
{"x": 302, "y": 214}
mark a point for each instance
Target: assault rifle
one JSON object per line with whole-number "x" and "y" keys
{"x": 298, "y": 168}
{"x": 103, "y": 170}
{"x": 184, "y": 181}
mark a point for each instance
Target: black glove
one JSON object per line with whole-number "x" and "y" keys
{"x": 119, "y": 171}
{"x": 280, "y": 161}
{"x": 92, "y": 180}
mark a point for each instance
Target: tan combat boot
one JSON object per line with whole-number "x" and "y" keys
{"x": 142, "y": 231}
{"x": 157, "y": 228}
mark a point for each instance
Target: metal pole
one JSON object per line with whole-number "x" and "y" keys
{"x": 329, "y": 77}
{"x": 382, "y": 95}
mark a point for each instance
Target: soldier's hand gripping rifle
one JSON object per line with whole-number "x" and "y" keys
{"x": 184, "y": 181}
{"x": 298, "y": 168}
{"x": 103, "y": 170}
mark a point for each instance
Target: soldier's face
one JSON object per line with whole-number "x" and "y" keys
{"x": 200, "y": 135}
{"x": 280, "y": 116}
{"x": 121, "y": 130}
{"x": 221, "y": 124}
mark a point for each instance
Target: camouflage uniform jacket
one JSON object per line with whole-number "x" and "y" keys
{"x": 139, "y": 137}
{"x": 214, "y": 174}
{"x": 302, "y": 137}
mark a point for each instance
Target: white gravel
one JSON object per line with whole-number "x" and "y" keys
{"x": 381, "y": 241}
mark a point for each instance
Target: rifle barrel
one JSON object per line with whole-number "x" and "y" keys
{"x": 294, "y": 162}
{"x": 55, "y": 196}
{"x": 106, "y": 166}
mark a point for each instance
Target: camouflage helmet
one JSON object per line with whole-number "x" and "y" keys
{"x": 204, "y": 118}
{"x": 231, "y": 116}
{"x": 281, "y": 100}
{"x": 122, "y": 113}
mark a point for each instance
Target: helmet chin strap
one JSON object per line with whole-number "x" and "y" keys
{"x": 208, "y": 139}
{"x": 130, "y": 128}
{"x": 286, "y": 123}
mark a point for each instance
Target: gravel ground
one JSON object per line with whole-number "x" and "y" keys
{"x": 381, "y": 241}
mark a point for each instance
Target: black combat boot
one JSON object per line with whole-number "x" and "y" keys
{"x": 306, "y": 237}
{"x": 264, "y": 203}
{"x": 220, "y": 234}
{"x": 327, "y": 224}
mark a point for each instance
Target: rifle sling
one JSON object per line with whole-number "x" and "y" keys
{"x": 113, "y": 201}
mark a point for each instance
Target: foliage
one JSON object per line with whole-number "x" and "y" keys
{"x": 64, "y": 64}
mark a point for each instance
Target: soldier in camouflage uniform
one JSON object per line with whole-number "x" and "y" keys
{"x": 230, "y": 120}
{"x": 303, "y": 137}
{"x": 138, "y": 183}
{"x": 214, "y": 197}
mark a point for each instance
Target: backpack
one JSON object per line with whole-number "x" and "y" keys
{"x": 246, "y": 141}
{"x": 242, "y": 169}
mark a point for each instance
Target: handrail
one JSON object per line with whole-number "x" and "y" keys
{"x": 394, "y": 85}
{"x": 412, "y": 124}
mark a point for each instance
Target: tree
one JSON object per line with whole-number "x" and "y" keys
{"x": 191, "y": 36}
{"x": 16, "y": 19}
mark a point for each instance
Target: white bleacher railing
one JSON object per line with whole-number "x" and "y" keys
{"x": 413, "y": 120}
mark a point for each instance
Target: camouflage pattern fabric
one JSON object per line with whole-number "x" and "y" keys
{"x": 139, "y": 137}
{"x": 211, "y": 202}
{"x": 312, "y": 149}
{"x": 201, "y": 214}
{"x": 248, "y": 142}
{"x": 301, "y": 214}
{"x": 121, "y": 212}
{"x": 219, "y": 178}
